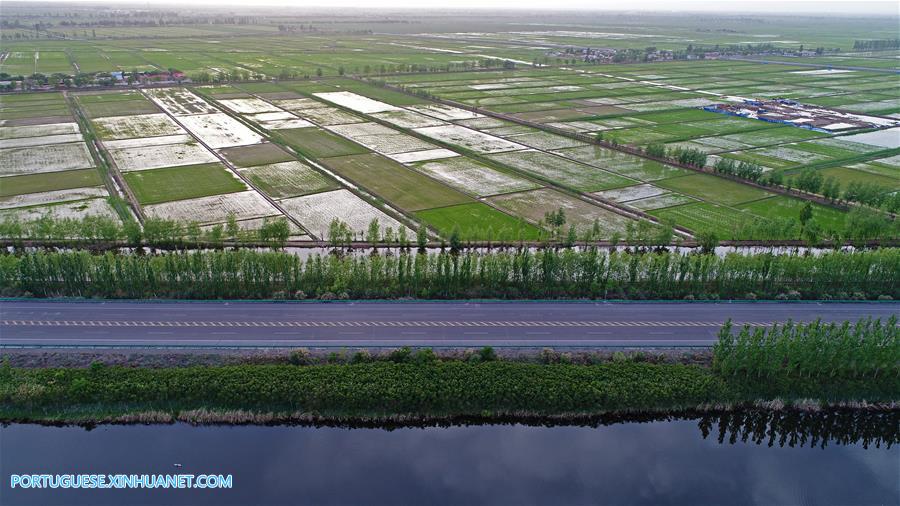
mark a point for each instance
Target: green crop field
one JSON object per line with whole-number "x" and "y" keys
{"x": 33, "y": 183}
{"x": 116, "y": 104}
{"x": 257, "y": 154}
{"x": 478, "y": 222}
{"x": 705, "y": 217}
{"x": 784, "y": 207}
{"x": 179, "y": 183}
{"x": 395, "y": 183}
{"x": 713, "y": 189}
{"x": 319, "y": 143}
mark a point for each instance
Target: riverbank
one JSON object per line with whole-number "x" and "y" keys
{"x": 415, "y": 389}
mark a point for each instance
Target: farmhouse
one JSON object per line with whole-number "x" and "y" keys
{"x": 794, "y": 113}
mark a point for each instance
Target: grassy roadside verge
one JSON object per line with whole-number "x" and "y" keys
{"x": 417, "y": 389}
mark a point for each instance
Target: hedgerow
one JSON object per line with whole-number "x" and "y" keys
{"x": 515, "y": 274}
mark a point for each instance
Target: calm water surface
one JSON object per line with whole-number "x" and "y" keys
{"x": 631, "y": 463}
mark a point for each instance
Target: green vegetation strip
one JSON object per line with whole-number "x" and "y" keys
{"x": 64, "y": 180}
{"x": 318, "y": 143}
{"x": 518, "y": 274}
{"x": 478, "y": 222}
{"x": 178, "y": 183}
{"x": 419, "y": 385}
{"x": 395, "y": 183}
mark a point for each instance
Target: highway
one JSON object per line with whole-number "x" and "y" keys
{"x": 374, "y": 324}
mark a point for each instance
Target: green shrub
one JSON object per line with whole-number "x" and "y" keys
{"x": 487, "y": 354}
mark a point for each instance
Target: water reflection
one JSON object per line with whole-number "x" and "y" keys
{"x": 658, "y": 462}
{"x": 803, "y": 428}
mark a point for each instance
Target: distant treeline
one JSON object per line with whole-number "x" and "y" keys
{"x": 876, "y": 45}
{"x": 511, "y": 274}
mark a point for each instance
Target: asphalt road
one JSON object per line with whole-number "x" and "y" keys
{"x": 30, "y": 323}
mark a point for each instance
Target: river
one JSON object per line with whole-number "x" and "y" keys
{"x": 660, "y": 462}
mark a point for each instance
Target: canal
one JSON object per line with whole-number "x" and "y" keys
{"x": 683, "y": 461}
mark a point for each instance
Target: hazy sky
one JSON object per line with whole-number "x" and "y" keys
{"x": 758, "y": 6}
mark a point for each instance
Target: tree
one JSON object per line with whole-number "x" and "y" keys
{"x": 806, "y": 214}
{"x": 689, "y": 156}
{"x": 373, "y": 234}
{"x": 615, "y": 239}
{"x": 864, "y": 224}
{"x": 339, "y": 233}
{"x": 556, "y": 220}
{"x": 831, "y": 189}
{"x": 708, "y": 240}
{"x": 571, "y": 236}
{"x": 231, "y": 227}
{"x": 455, "y": 241}
{"x": 656, "y": 150}
{"x": 664, "y": 233}
{"x": 810, "y": 180}
{"x": 215, "y": 234}
{"x": 193, "y": 232}
{"x": 422, "y": 237}
{"x": 811, "y": 233}
{"x": 275, "y": 232}
{"x": 133, "y": 232}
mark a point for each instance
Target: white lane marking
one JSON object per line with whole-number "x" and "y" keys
{"x": 389, "y": 323}
{"x": 214, "y": 343}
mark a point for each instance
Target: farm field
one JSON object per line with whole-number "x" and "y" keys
{"x": 535, "y": 204}
{"x": 178, "y": 183}
{"x": 213, "y": 209}
{"x": 115, "y": 104}
{"x": 46, "y": 168}
{"x": 713, "y": 189}
{"x": 90, "y": 207}
{"x": 474, "y": 178}
{"x": 317, "y": 211}
{"x": 319, "y": 143}
{"x": 478, "y": 222}
{"x": 362, "y": 135}
{"x": 286, "y": 116}
{"x": 33, "y": 183}
{"x": 257, "y": 154}
{"x": 289, "y": 179}
{"x": 395, "y": 183}
{"x": 705, "y": 216}
{"x": 562, "y": 171}
{"x": 663, "y": 105}
{"x": 171, "y": 160}
{"x": 597, "y": 170}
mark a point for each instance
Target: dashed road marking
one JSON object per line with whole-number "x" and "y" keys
{"x": 417, "y": 323}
